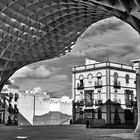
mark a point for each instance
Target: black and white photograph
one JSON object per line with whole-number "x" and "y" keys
{"x": 69, "y": 70}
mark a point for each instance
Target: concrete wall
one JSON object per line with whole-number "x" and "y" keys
{"x": 26, "y": 106}
{"x": 37, "y": 105}
{"x": 42, "y": 104}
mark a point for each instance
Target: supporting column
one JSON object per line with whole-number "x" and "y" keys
{"x": 137, "y": 129}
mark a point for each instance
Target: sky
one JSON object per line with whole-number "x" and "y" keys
{"x": 109, "y": 39}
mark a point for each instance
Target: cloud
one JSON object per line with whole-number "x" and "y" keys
{"x": 60, "y": 77}
{"x": 33, "y": 72}
{"x": 42, "y": 72}
{"x": 116, "y": 45}
{"x": 101, "y": 27}
{"x": 37, "y": 90}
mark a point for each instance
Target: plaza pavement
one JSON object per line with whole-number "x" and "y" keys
{"x": 63, "y": 132}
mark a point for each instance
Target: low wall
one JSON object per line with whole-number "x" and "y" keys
{"x": 52, "y": 118}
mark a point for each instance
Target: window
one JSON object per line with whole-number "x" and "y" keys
{"x": 119, "y": 101}
{"x": 10, "y": 96}
{"x": 128, "y": 97}
{"x": 16, "y": 97}
{"x": 99, "y": 114}
{"x": 115, "y": 78}
{"x": 81, "y": 96}
{"x": 98, "y": 83}
{"x": 99, "y": 75}
{"x": 90, "y": 77}
{"x": 15, "y": 106}
{"x": 115, "y": 75}
{"x": 80, "y": 85}
{"x": 81, "y": 82}
{"x": 116, "y": 82}
{"x": 81, "y": 77}
{"x": 127, "y": 78}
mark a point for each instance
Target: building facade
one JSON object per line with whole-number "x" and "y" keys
{"x": 104, "y": 91}
{"x": 38, "y": 105}
{"x": 20, "y": 107}
{"x": 9, "y": 101}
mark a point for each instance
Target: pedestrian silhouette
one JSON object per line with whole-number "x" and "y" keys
{"x": 87, "y": 124}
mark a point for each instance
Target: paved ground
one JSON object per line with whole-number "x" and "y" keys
{"x": 62, "y": 132}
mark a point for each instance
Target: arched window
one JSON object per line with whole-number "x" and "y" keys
{"x": 99, "y": 75}
{"x": 90, "y": 77}
{"x": 81, "y": 84}
{"x": 115, "y": 75}
{"x": 116, "y": 82}
{"x": 127, "y": 78}
{"x": 81, "y": 77}
{"x": 119, "y": 101}
{"x": 99, "y": 82}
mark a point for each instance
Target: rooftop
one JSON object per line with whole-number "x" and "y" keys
{"x": 102, "y": 66}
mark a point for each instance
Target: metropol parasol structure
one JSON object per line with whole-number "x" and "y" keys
{"x": 35, "y": 30}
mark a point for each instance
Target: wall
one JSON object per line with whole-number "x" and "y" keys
{"x": 108, "y": 90}
{"x": 26, "y": 106}
{"x": 89, "y": 85}
{"x": 121, "y": 78}
{"x": 42, "y": 104}
{"x": 31, "y": 105}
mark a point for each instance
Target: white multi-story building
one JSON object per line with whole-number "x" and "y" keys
{"x": 103, "y": 91}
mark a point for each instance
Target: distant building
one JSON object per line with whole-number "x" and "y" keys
{"x": 25, "y": 105}
{"x": 103, "y": 91}
{"x": 9, "y": 100}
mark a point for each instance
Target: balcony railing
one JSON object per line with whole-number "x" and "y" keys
{"x": 98, "y": 102}
{"x": 98, "y": 84}
{"x": 80, "y": 86}
{"x": 100, "y": 65}
{"x": 128, "y": 103}
{"x": 81, "y": 103}
{"x": 117, "y": 85}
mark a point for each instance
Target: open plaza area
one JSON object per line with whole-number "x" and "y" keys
{"x": 63, "y": 132}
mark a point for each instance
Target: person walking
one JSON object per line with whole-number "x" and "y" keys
{"x": 87, "y": 124}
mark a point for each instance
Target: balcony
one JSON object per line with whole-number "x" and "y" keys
{"x": 98, "y": 102}
{"x": 128, "y": 103}
{"x": 81, "y": 103}
{"x": 80, "y": 86}
{"x": 98, "y": 84}
{"x": 117, "y": 84}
